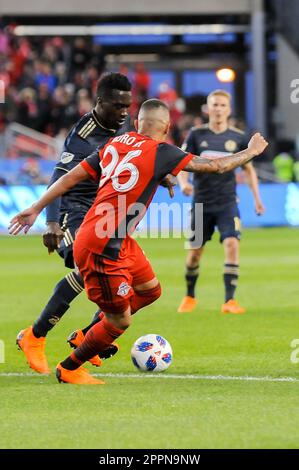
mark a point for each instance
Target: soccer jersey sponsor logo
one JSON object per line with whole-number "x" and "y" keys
{"x": 123, "y": 289}
{"x": 66, "y": 157}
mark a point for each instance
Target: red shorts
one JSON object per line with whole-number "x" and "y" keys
{"x": 110, "y": 283}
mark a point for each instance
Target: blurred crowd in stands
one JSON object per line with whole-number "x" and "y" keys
{"x": 50, "y": 83}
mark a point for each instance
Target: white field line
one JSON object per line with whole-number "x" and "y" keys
{"x": 167, "y": 376}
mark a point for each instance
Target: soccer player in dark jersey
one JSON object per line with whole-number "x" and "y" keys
{"x": 219, "y": 198}
{"x": 65, "y": 215}
{"x": 117, "y": 275}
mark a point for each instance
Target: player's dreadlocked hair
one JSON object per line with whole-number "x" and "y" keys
{"x": 112, "y": 81}
{"x": 153, "y": 103}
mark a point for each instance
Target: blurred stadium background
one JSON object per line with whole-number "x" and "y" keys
{"x": 51, "y": 56}
{"x": 239, "y": 387}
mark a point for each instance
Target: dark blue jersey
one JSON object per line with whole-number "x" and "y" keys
{"x": 214, "y": 189}
{"x": 85, "y": 137}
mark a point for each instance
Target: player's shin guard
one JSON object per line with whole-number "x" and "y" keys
{"x": 191, "y": 276}
{"x": 142, "y": 298}
{"x": 64, "y": 293}
{"x": 96, "y": 340}
{"x": 230, "y": 278}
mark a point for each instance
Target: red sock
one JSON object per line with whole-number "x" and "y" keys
{"x": 96, "y": 340}
{"x": 143, "y": 298}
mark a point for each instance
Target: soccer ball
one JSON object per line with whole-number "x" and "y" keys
{"x": 151, "y": 353}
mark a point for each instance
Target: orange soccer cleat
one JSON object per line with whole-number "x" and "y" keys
{"x": 188, "y": 304}
{"x": 76, "y": 338}
{"x": 232, "y": 306}
{"x": 78, "y": 376}
{"x": 34, "y": 350}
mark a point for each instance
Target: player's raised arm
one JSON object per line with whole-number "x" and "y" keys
{"x": 256, "y": 146}
{"x": 25, "y": 219}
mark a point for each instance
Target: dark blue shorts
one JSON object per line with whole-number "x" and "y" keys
{"x": 226, "y": 218}
{"x": 70, "y": 224}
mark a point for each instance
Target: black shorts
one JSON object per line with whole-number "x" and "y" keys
{"x": 226, "y": 218}
{"x": 70, "y": 224}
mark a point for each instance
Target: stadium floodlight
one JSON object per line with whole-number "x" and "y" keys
{"x": 225, "y": 75}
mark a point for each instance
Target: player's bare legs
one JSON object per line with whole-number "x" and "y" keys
{"x": 189, "y": 302}
{"x": 231, "y": 247}
{"x": 121, "y": 320}
{"x": 145, "y": 294}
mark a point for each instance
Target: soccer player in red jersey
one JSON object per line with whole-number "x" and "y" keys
{"x": 117, "y": 275}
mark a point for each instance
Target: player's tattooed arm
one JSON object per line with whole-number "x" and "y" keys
{"x": 256, "y": 146}
{"x": 200, "y": 165}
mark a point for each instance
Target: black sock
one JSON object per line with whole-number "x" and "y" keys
{"x": 191, "y": 278}
{"x": 95, "y": 320}
{"x": 69, "y": 364}
{"x": 230, "y": 277}
{"x": 64, "y": 293}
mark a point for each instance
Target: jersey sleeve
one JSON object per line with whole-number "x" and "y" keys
{"x": 69, "y": 160}
{"x": 91, "y": 164}
{"x": 170, "y": 159}
{"x": 75, "y": 149}
{"x": 189, "y": 143}
{"x": 53, "y": 209}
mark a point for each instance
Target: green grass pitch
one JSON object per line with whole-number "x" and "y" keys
{"x": 137, "y": 411}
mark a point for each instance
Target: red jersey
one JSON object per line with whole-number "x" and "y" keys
{"x": 129, "y": 169}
